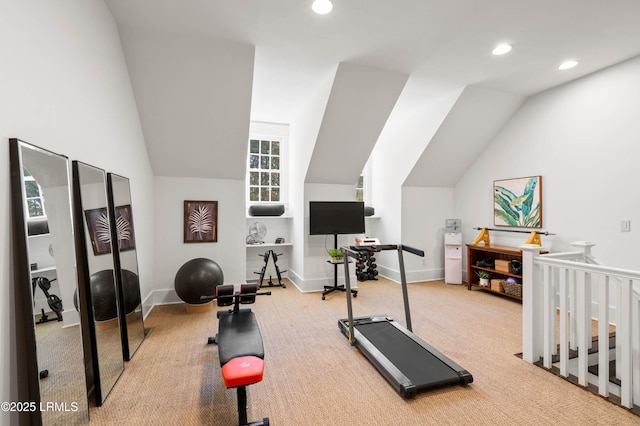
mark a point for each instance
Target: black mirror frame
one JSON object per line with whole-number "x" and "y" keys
{"x": 27, "y": 362}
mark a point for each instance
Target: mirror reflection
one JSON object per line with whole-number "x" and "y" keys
{"x": 126, "y": 262}
{"x": 96, "y": 279}
{"x": 50, "y": 283}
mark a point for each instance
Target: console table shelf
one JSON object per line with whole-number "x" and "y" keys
{"x": 481, "y": 252}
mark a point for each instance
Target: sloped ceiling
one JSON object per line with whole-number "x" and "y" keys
{"x": 192, "y": 69}
{"x": 194, "y": 100}
{"x": 470, "y": 125}
{"x": 359, "y": 104}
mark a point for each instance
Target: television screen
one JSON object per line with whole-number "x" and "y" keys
{"x": 336, "y": 217}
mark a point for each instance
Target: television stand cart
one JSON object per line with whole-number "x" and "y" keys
{"x": 329, "y": 289}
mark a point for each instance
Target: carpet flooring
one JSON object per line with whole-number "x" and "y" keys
{"x": 313, "y": 376}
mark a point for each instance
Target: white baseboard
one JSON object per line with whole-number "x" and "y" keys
{"x": 412, "y": 276}
{"x": 159, "y": 297}
{"x": 70, "y": 318}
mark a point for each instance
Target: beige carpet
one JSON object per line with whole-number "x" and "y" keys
{"x": 313, "y": 376}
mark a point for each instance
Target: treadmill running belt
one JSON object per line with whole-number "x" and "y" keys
{"x": 424, "y": 369}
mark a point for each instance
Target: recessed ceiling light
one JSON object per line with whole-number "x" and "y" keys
{"x": 567, "y": 64}
{"x": 322, "y": 7}
{"x": 501, "y": 49}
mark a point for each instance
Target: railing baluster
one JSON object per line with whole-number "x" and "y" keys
{"x": 635, "y": 343}
{"x": 548, "y": 311}
{"x": 573, "y": 309}
{"x": 623, "y": 332}
{"x": 603, "y": 337}
{"x": 564, "y": 312}
{"x": 583, "y": 322}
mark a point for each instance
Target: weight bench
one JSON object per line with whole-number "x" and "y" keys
{"x": 239, "y": 341}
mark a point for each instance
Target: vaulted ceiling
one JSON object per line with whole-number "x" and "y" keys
{"x": 201, "y": 70}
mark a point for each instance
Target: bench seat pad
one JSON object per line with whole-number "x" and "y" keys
{"x": 238, "y": 336}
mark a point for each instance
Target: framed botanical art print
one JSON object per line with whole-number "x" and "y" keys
{"x": 200, "y": 221}
{"x": 518, "y": 202}
{"x": 124, "y": 228}
{"x": 99, "y": 231}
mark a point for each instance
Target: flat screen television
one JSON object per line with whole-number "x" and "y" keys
{"x": 336, "y": 217}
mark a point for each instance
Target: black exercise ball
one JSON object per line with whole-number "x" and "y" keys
{"x": 103, "y": 295}
{"x": 198, "y": 277}
{"x": 130, "y": 290}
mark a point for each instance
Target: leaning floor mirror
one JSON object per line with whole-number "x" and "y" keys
{"x": 51, "y": 369}
{"x": 96, "y": 280}
{"x": 126, "y": 264}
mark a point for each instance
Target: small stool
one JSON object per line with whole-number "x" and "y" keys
{"x": 239, "y": 373}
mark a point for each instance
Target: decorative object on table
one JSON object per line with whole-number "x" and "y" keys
{"x": 496, "y": 284}
{"x": 99, "y": 231}
{"x": 484, "y": 278}
{"x": 516, "y": 267}
{"x": 518, "y": 202}
{"x": 502, "y": 265}
{"x": 257, "y": 232}
{"x": 336, "y": 254}
{"x": 486, "y": 263}
{"x": 513, "y": 287}
{"x": 266, "y": 210}
{"x": 200, "y": 221}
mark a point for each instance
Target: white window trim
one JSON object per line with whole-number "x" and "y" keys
{"x": 271, "y": 131}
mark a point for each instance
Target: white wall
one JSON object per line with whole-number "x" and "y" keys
{"x": 583, "y": 138}
{"x": 411, "y": 126}
{"x": 171, "y": 252}
{"x": 65, "y": 87}
{"x": 303, "y": 133}
{"x": 424, "y": 212}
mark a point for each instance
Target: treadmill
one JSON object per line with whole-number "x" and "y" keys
{"x": 406, "y": 361}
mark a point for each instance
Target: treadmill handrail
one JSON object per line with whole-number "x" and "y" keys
{"x": 348, "y": 251}
{"x": 382, "y": 247}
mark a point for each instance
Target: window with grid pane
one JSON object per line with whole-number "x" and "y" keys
{"x": 360, "y": 189}
{"x": 264, "y": 170}
{"x": 34, "y": 196}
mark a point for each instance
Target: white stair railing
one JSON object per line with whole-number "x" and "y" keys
{"x": 562, "y": 294}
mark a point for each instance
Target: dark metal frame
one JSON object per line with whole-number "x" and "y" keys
{"x": 27, "y": 358}
{"x": 389, "y": 371}
{"x": 127, "y": 353}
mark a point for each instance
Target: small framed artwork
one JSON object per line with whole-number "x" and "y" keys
{"x": 98, "y": 227}
{"x": 200, "y": 221}
{"x": 518, "y": 202}
{"x": 124, "y": 228}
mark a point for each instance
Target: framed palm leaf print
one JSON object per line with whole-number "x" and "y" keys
{"x": 200, "y": 221}
{"x": 518, "y": 202}
{"x": 99, "y": 231}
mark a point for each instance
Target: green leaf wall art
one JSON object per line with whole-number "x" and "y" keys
{"x": 518, "y": 202}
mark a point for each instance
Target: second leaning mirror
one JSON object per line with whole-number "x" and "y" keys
{"x": 96, "y": 280}
{"x": 126, "y": 264}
